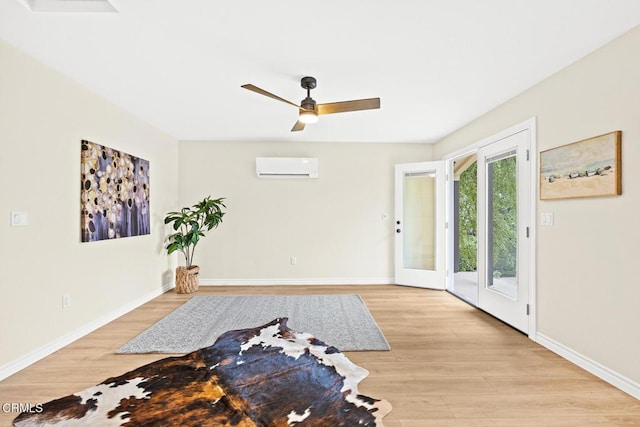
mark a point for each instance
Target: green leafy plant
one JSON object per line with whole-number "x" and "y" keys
{"x": 191, "y": 223}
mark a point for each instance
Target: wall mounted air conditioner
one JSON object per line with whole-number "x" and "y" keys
{"x": 287, "y": 167}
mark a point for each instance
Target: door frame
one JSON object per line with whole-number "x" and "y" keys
{"x": 530, "y": 126}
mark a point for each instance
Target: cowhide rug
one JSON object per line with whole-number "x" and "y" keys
{"x": 264, "y": 376}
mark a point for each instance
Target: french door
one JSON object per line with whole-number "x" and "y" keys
{"x": 504, "y": 229}
{"x": 420, "y": 224}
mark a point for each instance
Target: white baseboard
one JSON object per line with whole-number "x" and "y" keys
{"x": 305, "y": 281}
{"x": 615, "y": 379}
{"x": 55, "y": 345}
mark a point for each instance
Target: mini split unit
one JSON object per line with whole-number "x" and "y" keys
{"x": 287, "y": 167}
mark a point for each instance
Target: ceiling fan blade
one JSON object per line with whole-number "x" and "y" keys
{"x": 343, "y": 107}
{"x": 256, "y": 89}
{"x": 298, "y": 126}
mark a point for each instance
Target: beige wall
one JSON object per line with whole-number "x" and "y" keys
{"x": 333, "y": 225}
{"x": 43, "y": 117}
{"x": 588, "y": 287}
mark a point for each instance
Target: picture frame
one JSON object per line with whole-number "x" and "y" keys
{"x": 591, "y": 167}
{"x": 114, "y": 194}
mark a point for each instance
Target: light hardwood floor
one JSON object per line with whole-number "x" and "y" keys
{"x": 450, "y": 364}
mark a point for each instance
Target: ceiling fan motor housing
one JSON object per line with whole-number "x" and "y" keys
{"x": 308, "y": 104}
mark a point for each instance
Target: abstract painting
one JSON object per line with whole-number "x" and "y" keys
{"x": 587, "y": 168}
{"x": 114, "y": 194}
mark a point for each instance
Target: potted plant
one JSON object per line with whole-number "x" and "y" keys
{"x": 190, "y": 224}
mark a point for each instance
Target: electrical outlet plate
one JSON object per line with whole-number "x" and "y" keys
{"x": 19, "y": 219}
{"x": 546, "y": 218}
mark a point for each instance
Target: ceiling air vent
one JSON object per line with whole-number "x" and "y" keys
{"x": 87, "y": 6}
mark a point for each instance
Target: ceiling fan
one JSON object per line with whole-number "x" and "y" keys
{"x": 309, "y": 110}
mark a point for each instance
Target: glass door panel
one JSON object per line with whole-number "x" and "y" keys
{"x": 502, "y": 224}
{"x": 419, "y": 219}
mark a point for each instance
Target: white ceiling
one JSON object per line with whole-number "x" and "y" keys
{"x": 435, "y": 64}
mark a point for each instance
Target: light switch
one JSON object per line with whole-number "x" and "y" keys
{"x": 19, "y": 219}
{"x": 546, "y": 218}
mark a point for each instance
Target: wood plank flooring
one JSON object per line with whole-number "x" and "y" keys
{"x": 450, "y": 364}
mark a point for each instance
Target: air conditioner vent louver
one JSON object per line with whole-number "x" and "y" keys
{"x": 287, "y": 167}
{"x": 71, "y": 6}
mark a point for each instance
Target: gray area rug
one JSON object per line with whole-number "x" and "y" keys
{"x": 342, "y": 321}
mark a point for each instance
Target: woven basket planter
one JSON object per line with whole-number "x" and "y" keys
{"x": 187, "y": 279}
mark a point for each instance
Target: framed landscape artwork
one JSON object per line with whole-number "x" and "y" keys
{"x": 114, "y": 193}
{"x": 587, "y": 168}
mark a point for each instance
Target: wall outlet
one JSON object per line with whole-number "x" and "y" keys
{"x": 294, "y": 260}
{"x": 66, "y": 301}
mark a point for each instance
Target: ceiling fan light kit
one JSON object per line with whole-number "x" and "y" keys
{"x": 308, "y": 116}
{"x": 309, "y": 110}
